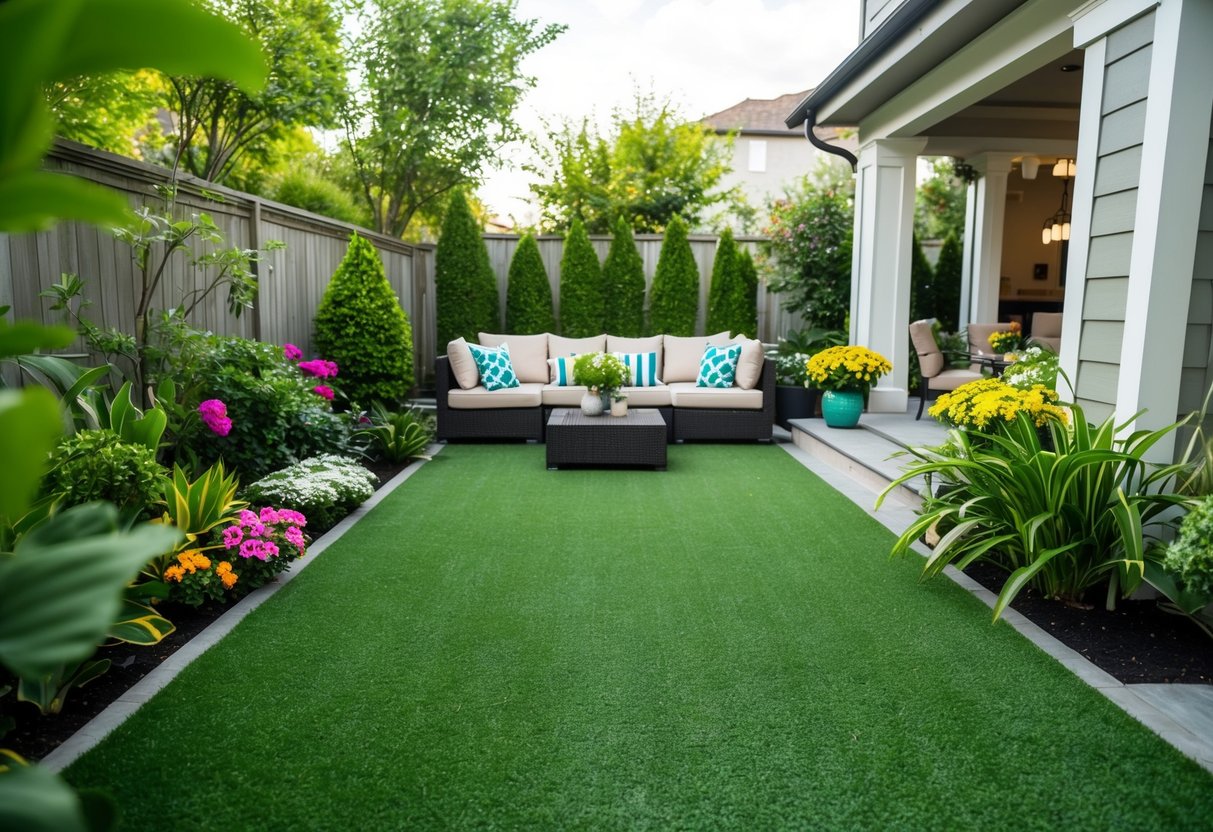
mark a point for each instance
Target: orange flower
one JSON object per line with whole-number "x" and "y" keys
{"x": 174, "y": 573}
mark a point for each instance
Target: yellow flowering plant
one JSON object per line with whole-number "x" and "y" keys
{"x": 1008, "y": 340}
{"x": 985, "y": 404}
{"x": 846, "y": 368}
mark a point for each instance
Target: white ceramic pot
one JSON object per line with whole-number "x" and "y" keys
{"x": 591, "y": 404}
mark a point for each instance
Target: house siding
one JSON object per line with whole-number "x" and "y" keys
{"x": 1126, "y": 77}
{"x": 876, "y": 12}
{"x": 1197, "y": 374}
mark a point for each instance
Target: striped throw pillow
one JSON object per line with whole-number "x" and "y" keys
{"x": 562, "y": 370}
{"x": 642, "y": 366}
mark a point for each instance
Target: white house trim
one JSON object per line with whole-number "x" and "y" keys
{"x": 1174, "y": 150}
{"x": 1097, "y": 18}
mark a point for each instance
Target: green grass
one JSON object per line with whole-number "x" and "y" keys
{"x": 725, "y": 645}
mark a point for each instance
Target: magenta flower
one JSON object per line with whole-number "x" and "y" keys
{"x": 319, "y": 368}
{"x": 268, "y": 515}
{"x": 295, "y": 537}
{"x": 248, "y": 518}
{"x": 323, "y": 391}
{"x": 232, "y": 536}
{"x": 214, "y": 415}
{"x": 292, "y": 352}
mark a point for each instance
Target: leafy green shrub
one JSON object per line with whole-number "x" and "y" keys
{"x": 795, "y": 349}
{"x": 674, "y": 301}
{"x": 581, "y": 289}
{"x": 324, "y": 488}
{"x": 360, "y": 325}
{"x": 528, "y": 297}
{"x": 747, "y": 318}
{"x": 1035, "y": 365}
{"x": 98, "y": 465}
{"x": 312, "y": 192}
{"x": 1190, "y": 556}
{"x": 623, "y": 284}
{"x": 464, "y": 284}
{"x": 727, "y": 293}
{"x": 1062, "y": 520}
{"x": 947, "y": 281}
{"x": 396, "y": 437}
{"x": 922, "y": 284}
{"x": 276, "y": 416}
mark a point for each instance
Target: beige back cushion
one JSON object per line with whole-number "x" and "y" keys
{"x": 559, "y": 345}
{"x": 615, "y": 343}
{"x": 1046, "y": 325}
{"x": 930, "y": 360}
{"x": 979, "y": 337}
{"x": 682, "y": 355}
{"x": 463, "y": 365}
{"x": 528, "y": 354}
{"x": 749, "y": 364}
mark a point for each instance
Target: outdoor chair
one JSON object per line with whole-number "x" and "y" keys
{"x": 933, "y": 365}
{"x": 1046, "y": 330}
{"x": 979, "y": 342}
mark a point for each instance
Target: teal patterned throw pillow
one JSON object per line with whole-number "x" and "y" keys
{"x": 718, "y": 366}
{"x": 496, "y": 371}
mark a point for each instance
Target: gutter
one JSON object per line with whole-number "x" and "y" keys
{"x": 869, "y": 49}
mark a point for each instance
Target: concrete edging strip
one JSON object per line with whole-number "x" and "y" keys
{"x": 143, "y": 690}
{"x": 897, "y": 518}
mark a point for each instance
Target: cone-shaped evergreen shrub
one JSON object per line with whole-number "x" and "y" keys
{"x": 726, "y": 294}
{"x": 947, "y": 283}
{"x": 922, "y": 284}
{"x": 674, "y": 300}
{"x": 528, "y": 298}
{"x": 747, "y": 321}
{"x": 465, "y": 287}
{"x": 623, "y": 283}
{"x": 360, "y": 325}
{"x": 581, "y": 296}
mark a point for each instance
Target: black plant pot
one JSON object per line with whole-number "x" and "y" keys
{"x": 792, "y": 402}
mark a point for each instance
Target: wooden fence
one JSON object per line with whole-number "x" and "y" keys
{"x": 293, "y": 279}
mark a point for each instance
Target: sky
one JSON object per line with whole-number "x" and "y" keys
{"x": 704, "y": 55}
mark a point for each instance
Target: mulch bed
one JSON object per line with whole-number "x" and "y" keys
{"x": 1137, "y": 642}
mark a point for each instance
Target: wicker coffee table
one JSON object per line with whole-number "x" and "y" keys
{"x": 635, "y": 440}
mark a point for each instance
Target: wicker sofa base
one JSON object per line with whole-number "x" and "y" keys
{"x": 722, "y": 425}
{"x": 494, "y": 423}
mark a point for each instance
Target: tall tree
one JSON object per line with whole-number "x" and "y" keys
{"x": 727, "y": 294}
{"x": 939, "y": 203}
{"x": 465, "y": 287}
{"x": 674, "y": 301}
{"x": 747, "y": 323}
{"x": 623, "y": 284}
{"x": 528, "y": 297}
{"x": 218, "y": 123}
{"x": 581, "y": 296}
{"x": 947, "y": 282}
{"x": 115, "y": 111}
{"x": 922, "y": 283}
{"x": 652, "y": 165}
{"x": 440, "y": 81}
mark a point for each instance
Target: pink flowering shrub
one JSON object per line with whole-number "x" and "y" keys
{"x": 214, "y": 416}
{"x": 291, "y": 352}
{"x": 260, "y": 544}
{"x": 319, "y": 368}
{"x": 323, "y": 391}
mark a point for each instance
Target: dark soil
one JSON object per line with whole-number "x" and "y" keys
{"x": 1137, "y": 642}
{"x": 385, "y": 471}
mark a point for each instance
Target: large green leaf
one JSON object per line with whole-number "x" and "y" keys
{"x": 26, "y": 336}
{"x": 49, "y": 691}
{"x": 34, "y": 799}
{"x": 61, "y": 589}
{"x": 29, "y": 425}
{"x": 141, "y": 625}
{"x": 33, "y": 200}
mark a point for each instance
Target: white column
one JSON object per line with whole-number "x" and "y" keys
{"x": 1170, "y": 191}
{"x": 880, "y": 265}
{"x": 983, "y": 241}
{"x": 966, "y": 262}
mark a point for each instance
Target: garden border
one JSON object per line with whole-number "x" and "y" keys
{"x": 896, "y": 518}
{"x": 121, "y": 708}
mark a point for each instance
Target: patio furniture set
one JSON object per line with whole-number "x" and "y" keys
{"x": 667, "y": 405}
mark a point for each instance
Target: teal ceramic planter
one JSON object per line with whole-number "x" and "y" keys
{"x": 841, "y": 409}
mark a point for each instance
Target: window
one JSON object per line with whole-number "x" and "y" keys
{"x": 758, "y": 156}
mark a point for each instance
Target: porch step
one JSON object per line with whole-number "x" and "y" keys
{"x": 872, "y": 454}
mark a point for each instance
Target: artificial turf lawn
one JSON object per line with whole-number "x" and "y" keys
{"x": 722, "y": 645}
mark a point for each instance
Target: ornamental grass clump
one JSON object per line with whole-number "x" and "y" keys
{"x": 1062, "y": 508}
{"x": 325, "y": 488}
{"x": 601, "y": 372}
{"x": 984, "y": 404}
{"x": 847, "y": 368}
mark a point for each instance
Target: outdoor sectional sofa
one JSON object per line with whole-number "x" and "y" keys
{"x": 467, "y": 410}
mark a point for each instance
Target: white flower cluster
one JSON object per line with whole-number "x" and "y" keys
{"x": 318, "y": 481}
{"x": 1034, "y": 366}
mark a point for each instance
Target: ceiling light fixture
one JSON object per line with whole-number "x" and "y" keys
{"x": 1057, "y": 227}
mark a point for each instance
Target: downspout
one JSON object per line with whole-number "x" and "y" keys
{"x": 809, "y": 133}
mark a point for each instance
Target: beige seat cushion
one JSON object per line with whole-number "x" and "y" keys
{"x": 682, "y": 355}
{"x": 686, "y": 394}
{"x": 749, "y": 363}
{"x": 614, "y": 343}
{"x": 524, "y": 395}
{"x": 951, "y": 379}
{"x": 467, "y": 375}
{"x": 528, "y": 354}
{"x": 559, "y": 345}
{"x": 658, "y": 396}
{"x": 568, "y": 396}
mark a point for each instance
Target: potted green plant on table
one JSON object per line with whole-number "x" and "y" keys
{"x": 604, "y": 374}
{"x": 845, "y": 374}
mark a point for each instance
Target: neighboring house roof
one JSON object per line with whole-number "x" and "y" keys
{"x": 757, "y": 116}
